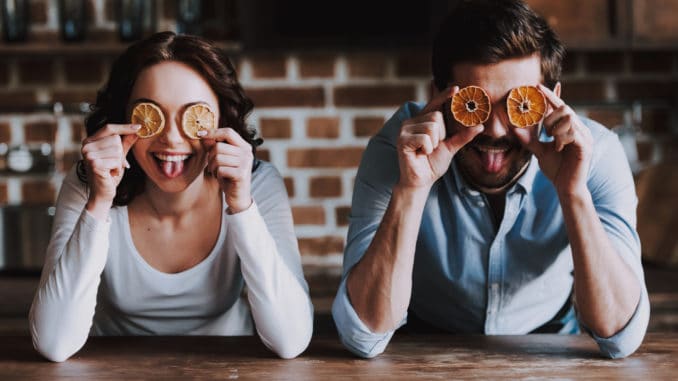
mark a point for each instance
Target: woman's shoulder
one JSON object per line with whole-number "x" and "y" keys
{"x": 266, "y": 180}
{"x": 264, "y": 172}
{"x": 74, "y": 183}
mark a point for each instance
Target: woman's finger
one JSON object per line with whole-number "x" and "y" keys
{"x": 108, "y": 153}
{"x": 115, "y": 129}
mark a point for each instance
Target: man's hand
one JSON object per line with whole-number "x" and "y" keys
{"x": 424, "y": 154}
{"x": 565, "y": 160}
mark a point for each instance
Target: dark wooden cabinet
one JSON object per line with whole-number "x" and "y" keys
{"x": 581, "y": 22}
{"x": 610, "y": 24}
{"x": 655, "y": 22}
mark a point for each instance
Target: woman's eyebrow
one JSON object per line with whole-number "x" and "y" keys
{"x": 187, "y": 105}
{"x": 140, "y": 100}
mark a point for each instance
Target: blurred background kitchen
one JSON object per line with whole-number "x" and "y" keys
{"x": 324, "y": 76}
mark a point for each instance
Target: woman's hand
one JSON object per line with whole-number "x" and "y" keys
{"x": 230, "y": 159}
{"x": 104, "y": 157}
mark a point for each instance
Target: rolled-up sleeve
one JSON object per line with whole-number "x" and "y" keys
{"x": 353, "y": 333}
{"x": 629, "y": 338}
{"x": 614, "y": 197}
{"x": 377, "y": 174}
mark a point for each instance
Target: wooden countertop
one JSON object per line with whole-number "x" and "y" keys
{"x": 408, "y": 357}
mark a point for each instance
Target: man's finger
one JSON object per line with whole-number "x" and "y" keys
{"x": 529, "y": 138}
{"x": 462, "y": 137}
{"x": 414, "y": 143}
{"x": 430, "y": 128}
{"x": 436, "y": 103}
{"x": 551, "y": 97}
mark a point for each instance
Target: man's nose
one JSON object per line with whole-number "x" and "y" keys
{"x": 496, "y": 125}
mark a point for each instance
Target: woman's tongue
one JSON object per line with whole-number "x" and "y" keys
{"x": 171, "y": 169}
{"x": 492, "y": 160}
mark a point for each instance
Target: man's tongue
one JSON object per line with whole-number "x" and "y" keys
{"x": 492, "y": 161}
{"x": 171, "y": 169}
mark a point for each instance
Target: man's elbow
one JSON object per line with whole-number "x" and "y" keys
{"x": 366, "y": 350}
{"x": 621, "y": 350}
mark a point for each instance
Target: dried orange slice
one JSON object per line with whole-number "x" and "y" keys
{"x": 150, "y": 117}
{"x": 526, "y": 106}
{"x": 471, "y": 106}
{"x": 198, "y": 117}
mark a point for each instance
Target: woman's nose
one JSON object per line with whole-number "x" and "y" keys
{"x": 172, "y": 132}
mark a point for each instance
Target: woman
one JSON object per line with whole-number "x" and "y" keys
{"x": 162, "y": 235}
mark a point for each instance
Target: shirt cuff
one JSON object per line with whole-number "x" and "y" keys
{"x": 93, "y": 225}
{"x": 354, "y": 334}
{"x": 629, "y": 338}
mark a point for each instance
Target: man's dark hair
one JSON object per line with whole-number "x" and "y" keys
{"x": 489, "y": 31}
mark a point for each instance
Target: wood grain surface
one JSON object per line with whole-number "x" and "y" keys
{"x": 407, "y": 357}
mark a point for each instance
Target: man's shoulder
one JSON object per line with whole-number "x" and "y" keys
{"x": 391, "y": 129}
{"x": 604, "y": 139}
{"x": 598, "y": 131}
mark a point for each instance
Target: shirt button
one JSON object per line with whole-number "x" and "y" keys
{"x": 480, "y": 204}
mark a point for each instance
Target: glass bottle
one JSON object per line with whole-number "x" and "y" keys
{"x": 72, "y": 19}
{"x": 15, "y": 19}
{"x": 189, "y": 15}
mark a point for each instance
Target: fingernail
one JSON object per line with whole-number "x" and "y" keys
{"x": 136, "y": 126}
{"x": 201, "y": 133}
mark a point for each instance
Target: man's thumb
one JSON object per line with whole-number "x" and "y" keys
{"x": 462, "y": 137}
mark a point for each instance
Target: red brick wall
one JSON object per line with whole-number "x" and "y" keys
{"x": 316, "y": 112}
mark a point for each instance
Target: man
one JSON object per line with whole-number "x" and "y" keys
{"x": 494, "y": 229}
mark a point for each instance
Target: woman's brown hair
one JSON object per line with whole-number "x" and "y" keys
{"x": 207, "y": 59}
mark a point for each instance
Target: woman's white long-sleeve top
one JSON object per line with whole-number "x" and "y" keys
{"x": 95, "y": 282}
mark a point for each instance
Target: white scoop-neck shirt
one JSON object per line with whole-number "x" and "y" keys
{"x": 95, "y": 282}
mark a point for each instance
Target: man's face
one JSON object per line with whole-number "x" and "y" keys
{"x": 495, "y": 159}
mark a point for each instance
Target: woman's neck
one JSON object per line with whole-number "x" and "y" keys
{"x": 201, "y": 193}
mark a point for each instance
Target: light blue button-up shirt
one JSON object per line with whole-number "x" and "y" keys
{"x": 469, "y": 276}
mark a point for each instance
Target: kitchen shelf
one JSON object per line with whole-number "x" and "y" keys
{"x": 59, "y": 48}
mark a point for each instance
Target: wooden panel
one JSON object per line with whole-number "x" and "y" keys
{"x": 577, "y": 22}
{"x": 655, "y": 21}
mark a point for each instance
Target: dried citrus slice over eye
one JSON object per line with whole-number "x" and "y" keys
{"x": 471, "y": 106}
{"x": 526, "y": 106}
{"x": 198, "y": 117}
{"x": 150, "y": 117}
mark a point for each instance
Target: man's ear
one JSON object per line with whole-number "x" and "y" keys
{"x": 556, "y": 89}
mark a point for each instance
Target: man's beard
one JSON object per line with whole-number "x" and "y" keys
{"x": 467, "y": 161}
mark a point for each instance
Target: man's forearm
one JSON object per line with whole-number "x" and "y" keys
{"x": 379, "y": 286}
{"x": 607, "y": 291}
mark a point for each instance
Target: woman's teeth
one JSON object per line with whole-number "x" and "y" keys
{"x": 165, "y": 157}
{"x": 490, "y": 149}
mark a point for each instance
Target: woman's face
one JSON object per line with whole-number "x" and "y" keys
{"x": 170, "y": 159}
